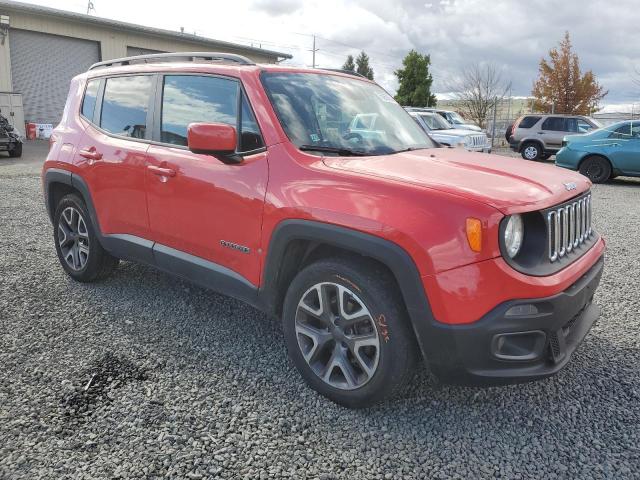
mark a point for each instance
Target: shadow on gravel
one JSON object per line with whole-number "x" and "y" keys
{"x": 97, "y": 382}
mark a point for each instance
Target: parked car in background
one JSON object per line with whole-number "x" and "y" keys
{"x": 454, "y": 118}
{"x": 445, "y": 134}
{"x": 604, "y": 153}
{"x": 538, "y": 136}
{"x": 9, "y": 139}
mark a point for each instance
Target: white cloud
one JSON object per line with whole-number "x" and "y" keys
{"x": 510, "y": 33}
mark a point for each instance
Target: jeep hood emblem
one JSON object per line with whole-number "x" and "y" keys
{"x": 570, "y": 186}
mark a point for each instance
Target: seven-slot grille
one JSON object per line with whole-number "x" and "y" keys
{"x": 569, "y": 226}
{"x": 477, "y": 140}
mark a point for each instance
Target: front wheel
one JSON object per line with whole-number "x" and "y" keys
{"x": 347, "y": 332}
{"x": 596, "y": 169}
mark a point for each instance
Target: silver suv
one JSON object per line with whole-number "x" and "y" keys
{"x": 446, "y": 134}
{"x": 538, "y": 136}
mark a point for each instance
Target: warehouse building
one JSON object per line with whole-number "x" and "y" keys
{"x": 41, "y": 49}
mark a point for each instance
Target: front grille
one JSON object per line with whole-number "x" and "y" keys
{"x": 478, "y": 140}
{"x": 568, "y": 227}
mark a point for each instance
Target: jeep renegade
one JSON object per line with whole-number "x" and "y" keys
{"x": 374, "y": 247}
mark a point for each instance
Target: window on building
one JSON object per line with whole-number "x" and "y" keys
{"x": 89, "y": 100}
{"x": 125, "y": 105}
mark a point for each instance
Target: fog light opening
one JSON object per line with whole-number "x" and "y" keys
{"x": 519, "y": 345}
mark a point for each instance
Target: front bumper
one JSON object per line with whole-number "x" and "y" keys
{"x": 515, "y": 342}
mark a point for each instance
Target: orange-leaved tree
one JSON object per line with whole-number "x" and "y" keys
{"x": 562, "y": 88}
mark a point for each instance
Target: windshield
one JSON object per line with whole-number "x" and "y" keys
{"x": 456, "y": 118}
{"x": 333, "y": 112}
{"x": 435, "y": 121}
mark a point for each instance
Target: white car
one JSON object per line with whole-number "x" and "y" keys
{"x": 444, "y": 133}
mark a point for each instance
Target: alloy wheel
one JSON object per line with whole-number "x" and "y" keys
{"x": 337, "y": 336}
{"x": 73, "y": 238}
{"x": 530, "y": 152}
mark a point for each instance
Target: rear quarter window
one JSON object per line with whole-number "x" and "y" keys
{"x": 89, "y": 100}
{"x": 528, "y": 122}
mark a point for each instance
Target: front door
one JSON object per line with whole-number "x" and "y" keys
{"x": 625, "y": 151}
{"x": 197, "y": 204}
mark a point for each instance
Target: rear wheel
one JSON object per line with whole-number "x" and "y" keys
{"x": 16, "y": 151}
{"x": 347, "y": 332}
{"x": 597, "y": 169}
{"x": 531, "y": 151}
{"x": 77, "y": 246}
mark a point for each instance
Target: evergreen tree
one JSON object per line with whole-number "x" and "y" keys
{"x": 349, "y": 65}
{"x": 415, "y": 81}
{"x": 362, "y": 66}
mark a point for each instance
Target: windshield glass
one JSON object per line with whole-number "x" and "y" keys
{"x": 456, "y": 118}
{"x": 333, "y": 112}
{"x": 435, "y": 121}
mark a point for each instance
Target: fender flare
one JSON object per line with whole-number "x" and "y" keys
{"x": 394, "y": 257}
{"x": 65, "y": 177}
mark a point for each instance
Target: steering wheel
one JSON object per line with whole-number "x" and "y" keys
{"x": 353, "y": 136}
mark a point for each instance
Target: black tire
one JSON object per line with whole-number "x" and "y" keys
{"x": 16, "y": 152}
{"x": 98, "y": 264}
{"x": 507, "y": 132}
{"x": 378, "y": 293}
{"x": 531, "y": 151}
{"x": 596, "y": 168}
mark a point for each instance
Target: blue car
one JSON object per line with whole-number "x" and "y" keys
{"x": 604, "y": 153}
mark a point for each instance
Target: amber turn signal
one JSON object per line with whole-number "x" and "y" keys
{"x": 474, "y": 234}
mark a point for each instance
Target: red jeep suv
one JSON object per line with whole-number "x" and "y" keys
{"x": 375, "y": 247}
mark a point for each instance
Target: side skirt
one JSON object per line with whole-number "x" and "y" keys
{"x": 197, "y": 270}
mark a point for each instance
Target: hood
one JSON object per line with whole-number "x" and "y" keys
{"x": 508, "y": 184}
{"x": 455, "y": 132}
{"x": 468, "y": 126}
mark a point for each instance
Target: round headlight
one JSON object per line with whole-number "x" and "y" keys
{"x": 513, "y": 235}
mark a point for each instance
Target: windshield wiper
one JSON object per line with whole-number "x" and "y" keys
{"x": 343, "y": 152}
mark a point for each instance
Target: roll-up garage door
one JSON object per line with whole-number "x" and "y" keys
{"x": 42, "y": 66}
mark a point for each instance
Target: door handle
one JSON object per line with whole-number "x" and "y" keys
{"x": 540, "y": 133}
{"x": 163, "y": 172}
{"x": 90, "y": 153}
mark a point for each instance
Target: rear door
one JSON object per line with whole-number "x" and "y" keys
{"x": 112, "y": 154}
{"x": 552, "y": 131}
{"x": 204, "y": 207}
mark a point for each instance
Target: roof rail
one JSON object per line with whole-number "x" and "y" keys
{"x": 341, "y": 70}
{"x": 176, "y": 56}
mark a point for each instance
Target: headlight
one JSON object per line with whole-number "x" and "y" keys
{"x": 467, "y": 141}
{"x": 513, "y": 235}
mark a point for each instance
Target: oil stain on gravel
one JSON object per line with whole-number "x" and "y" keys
{"x": 98, "y": 383}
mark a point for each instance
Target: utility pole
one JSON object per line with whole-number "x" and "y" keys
{"x": 314, "y": 50}
{"x": 493, "y": 127}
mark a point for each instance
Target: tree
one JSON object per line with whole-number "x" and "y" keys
{"x": 562, "y": 88}
{"x": 349, "y": 65}
{"x": 479, "y": 89}
{"x": 362, "y": 66}
{"x": 415, "y": 81}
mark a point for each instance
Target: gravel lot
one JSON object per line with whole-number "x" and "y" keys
{"x": 190, "y": 384}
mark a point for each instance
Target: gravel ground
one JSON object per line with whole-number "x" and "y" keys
{"x": 183, "y": 383}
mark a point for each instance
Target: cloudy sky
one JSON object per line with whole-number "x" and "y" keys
{"x": 512, "y": 34}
